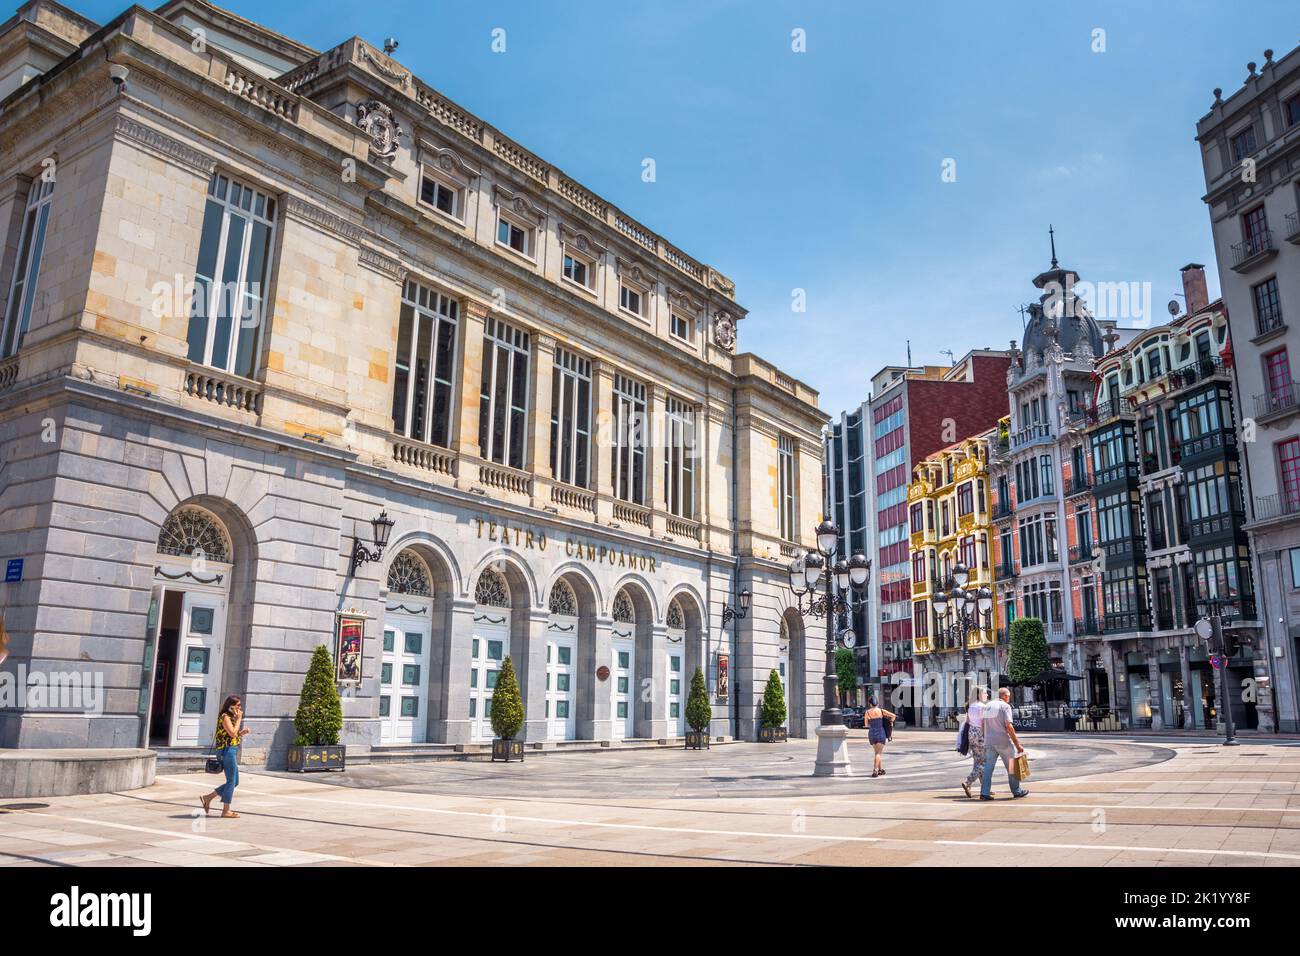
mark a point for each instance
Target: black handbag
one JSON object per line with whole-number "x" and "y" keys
{"x": 213, "y": 764}
{"x": 963, "y": 739}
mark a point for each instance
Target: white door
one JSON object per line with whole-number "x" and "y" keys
{"x": 404, "y": 681}
{"x": 196, "y": 696}
{"x": 623, "y": 664}
{"x": 489, "y": 647}
{"x": 676, "y": 687}
{"x": 560, "y": 681}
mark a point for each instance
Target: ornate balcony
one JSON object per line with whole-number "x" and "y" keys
{"x": 1292, "y": 232}
{"x": 1269, "y": 507}
{"x": 440, "y": 461}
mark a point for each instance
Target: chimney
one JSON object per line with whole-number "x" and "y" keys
{"x": 1194, "y": 289}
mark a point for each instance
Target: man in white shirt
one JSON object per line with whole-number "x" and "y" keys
{"x": 1000, "y": 740}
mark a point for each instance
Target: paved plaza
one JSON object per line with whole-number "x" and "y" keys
{"x": 1095, "y": 801}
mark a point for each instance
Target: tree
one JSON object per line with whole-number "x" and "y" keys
{"x": 773, "y": 701}
{"x": 507, "y": 705}
{"x": 1028, "y": 654}
{"x": 846, "y": 670}
{"x": 699, "y": 712}
{"x": 320, "y": 714}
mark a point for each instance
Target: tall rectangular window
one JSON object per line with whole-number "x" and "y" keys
{"x": 27, "y": 266}
{"x": 1288, "y": 460}
{"x": 425, "y": 371}
{"x": 571, "y": 418}
{"x": 1268, "y": 306}
{"x": 785, "y": 493}
{"x": 1277, "y": 372}
{"x": 679, "y": 458}
{"x": 628, "y": 460}
{"x": 231, "y": 277}
{"x": 503, "y": 396}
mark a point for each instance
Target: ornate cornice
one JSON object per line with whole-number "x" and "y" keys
{"x": 581, "y": 241}
{"x": 636, "y": 272}
{"x": 378, "y": 262}
{"x": 323, "y": 219}
{"x": 446, "y": 159}
{"x": 166, "y": 146}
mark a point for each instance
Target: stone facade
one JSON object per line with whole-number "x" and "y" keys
{"x": 110, "y": 426}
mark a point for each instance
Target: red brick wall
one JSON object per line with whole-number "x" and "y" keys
{"x": 973, "y": 407}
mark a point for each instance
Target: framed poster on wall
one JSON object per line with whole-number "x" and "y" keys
{"x": 350, "y": 634}
{"x": 724, "y": 676}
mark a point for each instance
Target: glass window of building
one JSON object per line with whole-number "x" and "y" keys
{"x": 628, "y": 461}
{"x": 425, "y": 368}
{"x": 571, "y": 418}
{"x": 231, "y": 277}
{"x": 786, "y": 472}
{"x": 27, "y": 265}
{"x": 503, "y": 395}
{"x": 679, "y": 458}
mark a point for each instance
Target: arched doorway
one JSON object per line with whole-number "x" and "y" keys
{"x": 561, "y": 663}
{"x": 623, "y": 666}
{"x": 794, "y": 639}
{"x": 404, "y": 664}
{"x": 187, "y": 618}
{"x": 489, "y": 647}
{"x": 783, "y": 669}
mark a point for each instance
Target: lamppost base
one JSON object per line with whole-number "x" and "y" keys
{"x": 833, "y": 752}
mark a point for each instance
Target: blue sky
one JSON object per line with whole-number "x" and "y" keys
{"x": 821, "y": 170}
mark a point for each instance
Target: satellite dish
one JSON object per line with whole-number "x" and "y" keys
{"x": 1173, "y": 307}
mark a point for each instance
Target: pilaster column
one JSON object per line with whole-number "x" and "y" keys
{"x": 597, "y": 726}
{"x": 602, "y": 447}
{"x": 656, "y": 432}
{"x": 538, "y": 460}
{"x": 532, "y": 675}
{"x": 453, "y": 726}
{"x": 652, "y": 715}
{"x": 465, "y": 435}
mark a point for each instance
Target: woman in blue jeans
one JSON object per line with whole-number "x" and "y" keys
{"x": 230, "y": 731}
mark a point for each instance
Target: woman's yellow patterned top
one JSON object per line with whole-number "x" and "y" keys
{"x": 223, "y": 738}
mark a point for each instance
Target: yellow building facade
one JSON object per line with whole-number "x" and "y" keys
{"x": 950, "y": 515}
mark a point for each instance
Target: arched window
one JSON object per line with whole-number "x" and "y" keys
{"x": 563, "y": 600}
{"x": 623, "y": 612}
{"x": 408, "y": 575}
{"x": 676, "y": 619}
{"x": 491, "y": 590}
{"x": 194, "y": 532}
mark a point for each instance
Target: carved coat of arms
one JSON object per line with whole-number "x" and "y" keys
{"x": 381, "y": 126}
{"x": 724, "y": 331}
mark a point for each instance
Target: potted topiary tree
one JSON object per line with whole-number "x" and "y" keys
{"x": 699, "y": 712}
{"x": 507, "y": 715}
{"x": 319, "y": 719}
{"x": 773, "y": 713}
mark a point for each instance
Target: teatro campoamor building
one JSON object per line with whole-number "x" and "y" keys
{"x": 269, "y": 308}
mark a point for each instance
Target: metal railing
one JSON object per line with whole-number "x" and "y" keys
{"x": 1270, "y": 321}
{"x": 1004, "y": 571}
{"x": 1277, "y": 506}
{"x": 1282, "y": 398}
{"x": 1255, "y": 244}
{"x": 1081, "y": 552}
{"x": 1292, "y": 233}
{"x": 1035, "y": 432}
{"x": 1079, "y": 485}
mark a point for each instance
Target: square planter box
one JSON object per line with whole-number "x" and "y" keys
{"x": 507, "y": 750}
{"x": 773, "y": 735}
{"x": 312, "y": 759}
{"x": 697, "y": 740}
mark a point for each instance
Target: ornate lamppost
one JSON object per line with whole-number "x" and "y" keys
{"x": 825, "y": 585}
{"x": 959, "y": 611}
{"x": 730, "y": 614}
{"x": 381, "y": 528}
